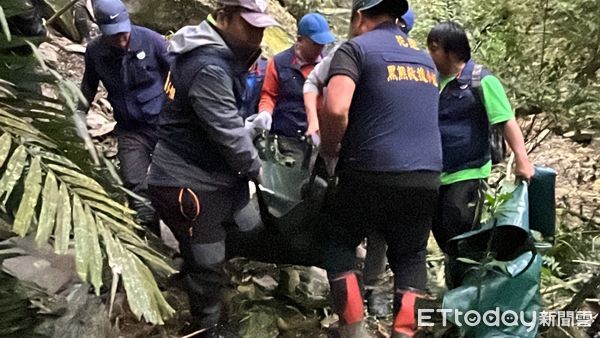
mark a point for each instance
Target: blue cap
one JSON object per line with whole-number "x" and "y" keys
{"x": 409, "y": 19}
{"x": 315, "y": 27}
{"x": 112, "y": 17}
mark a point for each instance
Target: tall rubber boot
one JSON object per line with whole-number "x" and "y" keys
{"x": 348, "y": 304}
{"x": 405, "y": 323}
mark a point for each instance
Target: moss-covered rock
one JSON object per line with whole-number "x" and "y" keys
{"x": 167, "y": 16}
{"x": 64, "y": 24}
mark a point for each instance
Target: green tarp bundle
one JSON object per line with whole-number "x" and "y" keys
{"x": 502, "y": 278}
{"x": 291, "y": 201}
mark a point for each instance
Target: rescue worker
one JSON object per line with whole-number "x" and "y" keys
{"x": 204, "y": 157}
{"x": 380, "y": 118}
{"x": 281, "y": 99}
{"x": 375, "y": 260}
{"x": 465, "y": 117}
{"x": 132, "y": 62}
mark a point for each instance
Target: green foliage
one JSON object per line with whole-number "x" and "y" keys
{"x": 493, "y": 201}
{"x": 49, "y": 186}
{"x": 547, "y": 52}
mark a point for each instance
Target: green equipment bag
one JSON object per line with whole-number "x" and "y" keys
{"x": 510, "y": 290}
{"x": 542, "y": 203}
{"x": 501, "y": 272}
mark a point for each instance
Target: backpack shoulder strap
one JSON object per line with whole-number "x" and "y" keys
{"x": 476, "y": 76}
{"x": 476, "y": 82}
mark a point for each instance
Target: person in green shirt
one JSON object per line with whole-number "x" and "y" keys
{"x": 465, "y": 116}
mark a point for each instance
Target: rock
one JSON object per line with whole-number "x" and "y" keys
{"x": 308, "y": 287}
{"x": 50, "y": 54}
{"x": 37, "y": 270}
{"x": 40, "y": 265}
{"x": 330, "y": 320}
{"x": 75, "y": 48}
{"x": 64, "y": 24}
{"x": 582, "y": 136}
{"x": 85, "y": 316}
{"x": 266, "y": 282}
{"x": 167, "y": 16}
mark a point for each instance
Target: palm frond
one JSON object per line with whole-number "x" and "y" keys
{"x": 49, "y": 186}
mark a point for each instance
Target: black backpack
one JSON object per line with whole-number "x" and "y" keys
{"x": 497, "y": 142}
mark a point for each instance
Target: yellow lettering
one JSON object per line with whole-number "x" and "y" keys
{"x": 432, "y": 77}
{"x": 169, "y": 88}
{"x": 392, "y": 73}
{"x": 422, "y": 75}
{"x": 401, "y": 41}
{"x": 402, "y": 73}
{"x": 413, "y": 44}
{"x": 167, "y": 82}
{"x": 412, "y": 74}
{"x": 171, "y": 93}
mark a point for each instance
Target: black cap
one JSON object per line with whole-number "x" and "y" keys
{"x": 361, "y": 5}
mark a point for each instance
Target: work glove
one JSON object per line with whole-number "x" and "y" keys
{"x": 261, "y": 121}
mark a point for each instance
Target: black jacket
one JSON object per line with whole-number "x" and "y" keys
{"x": 203, "y": 143}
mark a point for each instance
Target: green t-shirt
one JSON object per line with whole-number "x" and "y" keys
{"x": 498, "y": 110}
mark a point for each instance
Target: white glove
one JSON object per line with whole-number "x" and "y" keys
{"x": 316, "y": 139}
{"x": 261, "y": 120}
